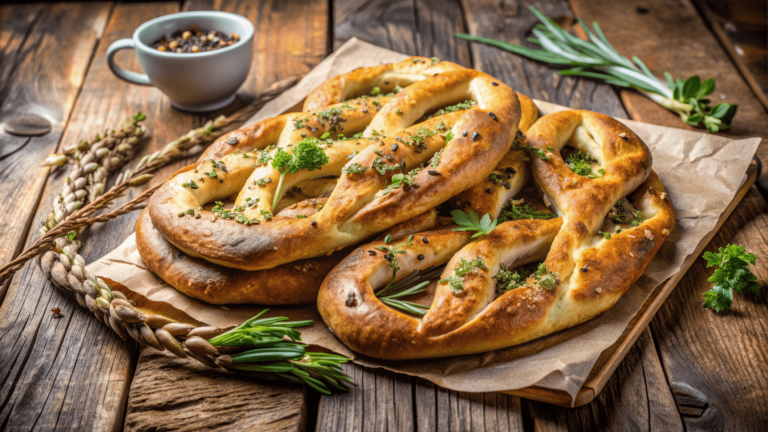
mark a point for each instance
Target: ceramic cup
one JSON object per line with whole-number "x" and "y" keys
{"x": 196, "y": 82}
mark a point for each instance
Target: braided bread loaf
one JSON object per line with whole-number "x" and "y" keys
{"x": 610, "y": 226}
{"x": 357, "y": 208}
{"x": 297, "y": 280}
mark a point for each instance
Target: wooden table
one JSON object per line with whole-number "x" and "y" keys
{"x": 692, "y": 369}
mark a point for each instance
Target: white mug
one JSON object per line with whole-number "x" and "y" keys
{"x": 197, "y": 82}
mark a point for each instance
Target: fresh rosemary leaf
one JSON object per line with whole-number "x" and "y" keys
{"x": 597, "y": 59}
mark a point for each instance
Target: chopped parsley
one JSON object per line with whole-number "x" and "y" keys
{"x": 621, "y": 215}
{"x": 402, "y": 180}
{"x": 456, "y": 282}
{"x": 234, "y": 214}
{"x": 435, "y": 161}
{"x": 545, "y": 278}
{"x": 382, "y": 167}
{"x": 354, "y": 168}
{"x": 264, "y": 156}
{"x": 512, "y": 210}
{"x": 579, "y": 162}
{"x": 300, "y": 123}
{"x": 417, "y": 140}
{"x": 507, "y": 280}
{"x": 532, "y": 150}
{"x": 467, "y": 104}
{"x": 496, "y": 179}
{"x": 190, "y": 184}
{"x": 263, "y": 181}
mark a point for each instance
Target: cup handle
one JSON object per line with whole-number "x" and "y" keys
{"x": 131, "y": 77}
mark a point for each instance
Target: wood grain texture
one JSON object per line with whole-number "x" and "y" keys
{"x": 43, "y": 61}
{"x": 381, "y": 401}
{"x": 636, "y": 398}
{"x": 511, "y": 21}
{"x": 414, "y": 27}
{"x": 742, "y": 28}
{"x": 446, "y": 410}
{"x": 673, "y": 37}
{"x": 715, "y": 363}
{"x": 168, "y": 393}
{"x": 73, "y": 372}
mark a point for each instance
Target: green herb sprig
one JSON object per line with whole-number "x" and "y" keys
{"x": 472, "y": 222}
{"x": 461, "y": 270}
{"x": 732, "y": 274}
{"x": 515, "y": 210}
{"x": 307, "y": 155}
{"x": 598, "y": 59}
{"x": 285, "y": 359}
{"x": 391, "y": 293}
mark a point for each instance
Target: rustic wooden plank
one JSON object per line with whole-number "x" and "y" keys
{"x": 291, "y": 38}
{"x": 73, "y": 372}
{"x": 414, "y": 27}
{"x": 445, "y": 410}
{"x": 217, "y": 400}
{"x": 511, "y": 21}
{"x": 381, "y": 401}
{"x": 635, "y": 398}
{"x": 715, "y": 363}
{"x": 742, "y": 29}
{"x": 673, "y": 37}
{"x": 43, "y": 60}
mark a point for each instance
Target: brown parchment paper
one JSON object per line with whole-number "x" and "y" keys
{"x": 701, "y": 172}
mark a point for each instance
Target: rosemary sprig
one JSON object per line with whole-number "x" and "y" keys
{"x": 598, "y": 59}
{"x": 287, "y": 359}
{"x": 404, "y": 287}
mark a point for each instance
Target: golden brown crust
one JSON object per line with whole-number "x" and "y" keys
{"x": 490, "y": 196}
{"x": 360, "y": 81}
{"x": 293, "y": 283}
{"x": 355, "y": 210}
{"x": 585, "y": 273}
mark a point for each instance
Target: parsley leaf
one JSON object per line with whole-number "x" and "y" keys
{"x": 472, "y": 222}
{"x": 354, "y": 168}
{"x": 532, "y": 150}
{"x": 578, "y": 162}
{"x": 733, "y": 274}
{"x": 307, "y": 155}
{"x": 467, "y": 104}
{"x": 402, "y": 180}
{"x": 190, "y": 184}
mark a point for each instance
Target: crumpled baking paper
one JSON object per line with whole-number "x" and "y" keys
{"x": 701, "y": 172}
